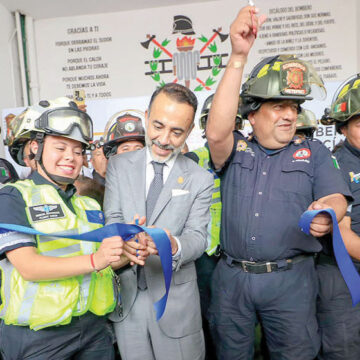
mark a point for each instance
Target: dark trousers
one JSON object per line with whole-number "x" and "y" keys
{"x": 205, "y": 266}
{"x": 339, "y": 321}
{"x": 283, "y": 301}
{"x": 87, "y": 337}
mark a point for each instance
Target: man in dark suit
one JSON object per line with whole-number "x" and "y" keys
{"x": 171, "y": 192}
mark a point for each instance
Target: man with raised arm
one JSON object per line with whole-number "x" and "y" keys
{"x": 266, "y": 272}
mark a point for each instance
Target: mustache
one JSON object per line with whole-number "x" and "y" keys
{"x": 163, "y": 147}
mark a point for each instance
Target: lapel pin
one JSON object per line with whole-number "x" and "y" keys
{"x": 180, "y": 180}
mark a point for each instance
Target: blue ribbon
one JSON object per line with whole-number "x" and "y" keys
{"x": 126, "y": 231}
{"x": 343, "y": 259}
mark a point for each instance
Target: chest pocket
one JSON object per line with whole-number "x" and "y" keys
{"x": 297, "y": 178}
{"x": 241, "y": 174}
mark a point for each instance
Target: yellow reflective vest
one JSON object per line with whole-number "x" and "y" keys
{"x": 48, "y": 303}
{"x": 215, "y": 208}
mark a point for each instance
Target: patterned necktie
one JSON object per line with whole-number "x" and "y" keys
{"x": 153, "y": 194}
{"x": 154, "y": 189}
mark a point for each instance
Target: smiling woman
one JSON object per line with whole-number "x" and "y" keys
{"x": 61, "y": 157}
{"x": 79, "y": 270}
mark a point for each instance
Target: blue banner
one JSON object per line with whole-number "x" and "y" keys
{"x": 126, "y": 231}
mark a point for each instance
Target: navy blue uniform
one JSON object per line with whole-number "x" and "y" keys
{"x": 264, "y": 194}
{"x": 339, "y": 321}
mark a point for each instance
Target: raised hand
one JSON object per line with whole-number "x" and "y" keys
{"x": 244, "y": 29}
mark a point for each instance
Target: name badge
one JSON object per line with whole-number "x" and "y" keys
{"x": 46, "y": 212}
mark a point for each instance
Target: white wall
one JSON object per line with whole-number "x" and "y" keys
{"x": 309, "y": 29}
{"x": 128, "y": 79}
{"x": 9, "y": 74}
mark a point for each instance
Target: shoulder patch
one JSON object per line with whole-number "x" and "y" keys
{"x": 241, "y": 145}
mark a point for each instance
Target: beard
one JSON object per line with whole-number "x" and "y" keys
{"x": 175, "y": 150}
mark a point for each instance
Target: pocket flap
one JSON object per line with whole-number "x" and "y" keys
{"x": 244, "y": 159}
{"x": 298, "y": 166}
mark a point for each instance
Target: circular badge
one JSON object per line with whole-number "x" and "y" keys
{"x": 129, "y": 126}
{"x": 241, "y": 145}
{"x": 302, "y": 154}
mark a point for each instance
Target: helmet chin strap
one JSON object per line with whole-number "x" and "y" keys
{"x": 58, "y": 180}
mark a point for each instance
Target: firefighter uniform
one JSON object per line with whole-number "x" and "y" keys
{"x": 267, "y": 266}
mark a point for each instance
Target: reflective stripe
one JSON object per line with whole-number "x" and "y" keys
{"x": 215, "y": 201}
{"x": 35, "y": 194}
{"x": 18, "y": 239}
{"x": 45, "y": 239}
{"x": 211, "y": 251}
{"x": 87, "y": 247}
{"x": 216, "y": 188}
{"x": 84, "y": 294}
{"x": 213, "y": 228}
{"x": 64, "y": 251}
{"x": 6, "y": 268}
{"x": 26, "y": 306}
{"x": 30, "y": 301}
{"x": 67, "y": 313}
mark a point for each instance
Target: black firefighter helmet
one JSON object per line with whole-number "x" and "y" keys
{"x": 280, "y": 77}
{"x": 123, "y": 126}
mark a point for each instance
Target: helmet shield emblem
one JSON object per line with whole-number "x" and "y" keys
{"x": 293, "y": 78}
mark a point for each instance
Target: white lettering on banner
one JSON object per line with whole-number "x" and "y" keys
{"x": 115, "y": 45}
{"x": 287, "y": 31}
{"x": 85, "y": 66}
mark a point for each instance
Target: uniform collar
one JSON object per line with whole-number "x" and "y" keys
{"x": 296, "y": 140}
{"x": 352, "y": 149}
